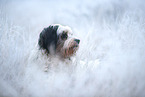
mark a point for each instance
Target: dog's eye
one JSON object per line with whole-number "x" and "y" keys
{"x": 64, "y": 36}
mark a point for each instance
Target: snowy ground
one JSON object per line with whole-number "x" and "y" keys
{"x": 109, "y": 63}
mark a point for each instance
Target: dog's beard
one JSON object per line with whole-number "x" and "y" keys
{"x": 69, "y": 48}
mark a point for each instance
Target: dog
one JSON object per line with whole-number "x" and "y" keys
{"x": 58, "y": 40}
{"x": 56, "y": 46}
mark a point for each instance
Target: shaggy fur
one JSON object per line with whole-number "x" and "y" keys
{"x": 56, "y": 39}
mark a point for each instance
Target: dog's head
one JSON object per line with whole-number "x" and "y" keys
{"x": 58, "y": 39}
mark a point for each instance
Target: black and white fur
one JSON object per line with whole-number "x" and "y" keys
{"x": 50, "y": 36}
{"x": 51, "y": 41}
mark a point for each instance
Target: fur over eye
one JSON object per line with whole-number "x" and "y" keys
{"x": 64, "y": 36}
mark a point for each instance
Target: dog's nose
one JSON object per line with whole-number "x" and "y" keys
{"x": 77, "y": 40}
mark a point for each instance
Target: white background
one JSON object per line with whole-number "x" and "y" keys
{"x": 109, "y": 63}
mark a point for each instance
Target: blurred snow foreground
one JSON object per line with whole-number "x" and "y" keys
{"x": 109, "y": 63}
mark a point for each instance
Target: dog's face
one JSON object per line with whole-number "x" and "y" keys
{"x": 58, "y": 39}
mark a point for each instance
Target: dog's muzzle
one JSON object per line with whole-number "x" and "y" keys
{"x": 70, "y": 47}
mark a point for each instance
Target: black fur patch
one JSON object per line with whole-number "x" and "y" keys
{"x": 47, "y": 37}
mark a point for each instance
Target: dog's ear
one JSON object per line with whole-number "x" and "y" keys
{"x": 48, "y": 37}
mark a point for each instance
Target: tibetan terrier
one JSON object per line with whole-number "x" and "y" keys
{"x": 58, "y": 40}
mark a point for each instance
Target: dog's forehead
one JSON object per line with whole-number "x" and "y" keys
{"x": 62, "y": 29}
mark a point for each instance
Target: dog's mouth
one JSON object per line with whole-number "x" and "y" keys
{"x": 75, "y": 44}
{"x": 74, "y": 47}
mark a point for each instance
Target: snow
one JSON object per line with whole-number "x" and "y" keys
{"x": 109, "y": 63}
